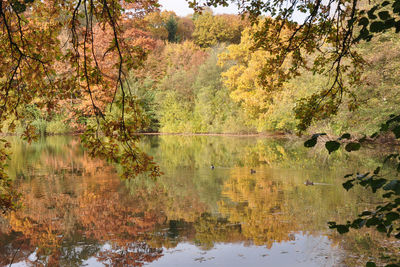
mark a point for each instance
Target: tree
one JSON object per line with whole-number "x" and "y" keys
{"x": 172, "y": 27}
{"x": 39, "y": 67}
{"x": 185, "y": 29}
{"x": 214, "y": 108}
{"x": 242, "y": 77}
{"x": 211, "y": 30}
{"x": 155, "y": 24}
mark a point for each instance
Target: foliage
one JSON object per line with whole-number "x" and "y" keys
{"x": 210, "y": 30}
{"x": 121, "y": 149}
{"x": 377, "y": 95}
{"x": 145, "y": 97}
{"x": 155, "y": 24}
{"x": 324, "y": 42}
{"x": 185, "y": 29}
{"x": 173, "y": 68}
{"x": 58, "y": 125}
{"x": 242, "y": 77}
{"x": 50, "y": 54}
{"x": 172, "y": 27}
{"x": 191, "y": 96}
{"x": 9, "y": 196}
{"x": 166, "y": 25}
{"x": 386, "y": 217}
{"x": 266, "y": 109}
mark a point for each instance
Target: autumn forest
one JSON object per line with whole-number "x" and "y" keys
{"x": 201, "y": 74}
{"x": 134, "y": 135}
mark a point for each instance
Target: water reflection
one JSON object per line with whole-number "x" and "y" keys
{"x": 77, "y": 211}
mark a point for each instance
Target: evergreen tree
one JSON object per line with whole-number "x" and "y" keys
{"x": 172, "y": 28}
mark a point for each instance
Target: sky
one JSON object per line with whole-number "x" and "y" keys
{"x": 181, "y": 8}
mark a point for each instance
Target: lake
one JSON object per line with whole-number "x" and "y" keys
{"x": 76, "y": 211}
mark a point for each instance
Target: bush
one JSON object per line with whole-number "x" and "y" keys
{"x": 40, "y": 125}
{"x": 57, "y": 126}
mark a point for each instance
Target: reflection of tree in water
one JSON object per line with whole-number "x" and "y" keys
{"x": 12, "y": 243}
{"x": 258, "y": 205}
{"x": 366, "y": 245}
{"x": 211, "y": 229}
{"x": 96, "y": 218}
{"x": 75, "y": 208}
{"x": 132, "y": 254}
{"x": 105, "y": 216}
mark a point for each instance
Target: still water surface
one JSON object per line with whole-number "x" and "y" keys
{"x": 76, "y": 211}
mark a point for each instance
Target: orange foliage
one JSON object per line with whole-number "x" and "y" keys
{"x": 135, "y": 45}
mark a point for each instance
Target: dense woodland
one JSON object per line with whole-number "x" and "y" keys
{"x": 201, "y": 74}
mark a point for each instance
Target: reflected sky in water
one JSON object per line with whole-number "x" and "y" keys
{"x": 303, "y": 251}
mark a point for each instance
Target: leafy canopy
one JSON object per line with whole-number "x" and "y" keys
{"x": 322, "y": 37}
{"x": 50, "y": 53}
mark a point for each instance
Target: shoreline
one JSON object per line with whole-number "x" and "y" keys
{"x": 274, "y": 135}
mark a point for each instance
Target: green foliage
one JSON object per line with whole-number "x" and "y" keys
{"x": 58, "y": 125}
{"x": 385, "y": 217}
{"x": 174, "y": 114}
{"x": 353, "y": 146}
{"x": 40, "y": 125}
{"x": 146, "y": 98}
{"x": 172, "y": 27}
{"x": 214, "y": 109}
{"x": 332, "y": 146}
{"x": 55, "y": 124}
{"x": 376, "y": 97}
{"x": 193, "y": 99}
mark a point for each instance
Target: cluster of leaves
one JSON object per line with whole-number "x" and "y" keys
{"x": 354, "y": 144}
{"x": 53, "y": 51}
{"x": 380, "y": 17}
{"x": 102, "y": 138}
{"x": 334, "y": 145}
{"x": 8, "y": 194}
{"x": 385, "y": 218}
